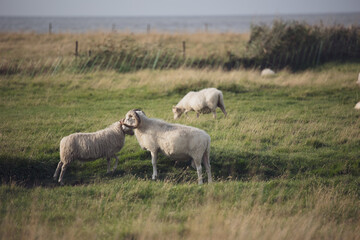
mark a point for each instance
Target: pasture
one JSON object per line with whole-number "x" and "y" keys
{"x": 286, "y": 160}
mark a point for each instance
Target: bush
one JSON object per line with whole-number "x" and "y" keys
{"x": 299, "y": 45}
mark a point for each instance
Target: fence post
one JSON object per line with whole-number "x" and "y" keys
{"x": 50, "y": 28}
{"x": 76, "y": 48}
{"x": 113, "y": 28}
{"x": 184, "y": 49}
{"x": 206, "y": 27}
{"x": 148, "y": 28}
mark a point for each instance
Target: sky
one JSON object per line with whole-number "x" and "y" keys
{"x": 173, "y": 7}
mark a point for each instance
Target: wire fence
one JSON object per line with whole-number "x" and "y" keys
{"x": 159, "y": 59}
{"x": 293, "y": 45}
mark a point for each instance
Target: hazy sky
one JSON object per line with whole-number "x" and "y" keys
{"x": 172, "y": 7}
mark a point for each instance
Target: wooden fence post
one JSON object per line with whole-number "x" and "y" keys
{"x": 184, "y": 49}
{"x": 206, "y": 27}
{"x": 50, "y": 28}
{"x": 76, "y": 48}
{"x": 148, "y": 28}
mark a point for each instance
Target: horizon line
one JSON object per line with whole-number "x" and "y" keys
{"x": 184, "y": 16}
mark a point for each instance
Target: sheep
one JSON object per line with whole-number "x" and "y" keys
{"x": 91, "y": 146}
{"x": 204, "y": 101}
{"x": 357, "y": 106}
{"x": 176, "y": 141}
{"x": 267, "y": 72}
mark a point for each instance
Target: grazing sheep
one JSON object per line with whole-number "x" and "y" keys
{"x": 267, "y": 72}
{"x": 174, "y": 140}
{"x": 204, "y": 101}
{"x": 91, "y": 146}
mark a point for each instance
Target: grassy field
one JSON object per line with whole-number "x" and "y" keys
{"x": 30, "y": 48}
{"x": 286, "y": 160}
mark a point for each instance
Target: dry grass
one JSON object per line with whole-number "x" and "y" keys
{"x": 317, "y": 213}
{"x": 167, "y": 80}
{"x": 32, "y": 46}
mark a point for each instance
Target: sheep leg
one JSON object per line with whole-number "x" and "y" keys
{"x": 108, "y": 164}
{"x": 199, "y": 172}
{"x": 207, "y": 166}
{"x": 116, "y": 163}
{"x": 186, "y": 113}
{"x": 57, "y": 171}
{"x": 197, "y": 114}
{"x": 223, "y": 109}
{"x": 214, "y": 114}
{"x": 63, "y": 169}
{"x": 153, "y": 161}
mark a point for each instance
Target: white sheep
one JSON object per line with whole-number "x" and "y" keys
{"x": 91, "y": 146}
{"x": 204, "y": 101}
{"x": 357, "y": 106}
{"x": 174, "y": 140}
{"x": 267, "y": 72}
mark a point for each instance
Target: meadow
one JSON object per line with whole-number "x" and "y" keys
{"x": 286, "y": 160}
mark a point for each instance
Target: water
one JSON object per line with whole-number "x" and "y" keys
{"x": 239, "y": 24}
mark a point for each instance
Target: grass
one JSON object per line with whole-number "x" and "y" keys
{"x": 292, "y": 45}
{"x": 37, "y": 54}
{"x": 24, "y": 47}
{"x": 285, "y": 160}
{"x": 130, "y": 208}
{"x": 276, "y": 127}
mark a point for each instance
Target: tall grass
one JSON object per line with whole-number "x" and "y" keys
{"x": 293, "y": 45}
{"x": 41, "y": 53}
{"x": 136, "y": 209}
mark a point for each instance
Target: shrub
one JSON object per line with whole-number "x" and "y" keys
{"x": 299, "y": 45}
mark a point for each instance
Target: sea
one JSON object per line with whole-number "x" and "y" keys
{"x": 188, "y": 24}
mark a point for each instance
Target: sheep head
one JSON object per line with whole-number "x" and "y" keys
{"x": 125, "y": 129}
{"x": 177, "y": 112}
{"x": 131, "y": 120}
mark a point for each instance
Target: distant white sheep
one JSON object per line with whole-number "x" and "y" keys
{"x": 357, "y": 106}
{"x": 267, "y": 72}
{"x": 204, "y": 101}
{"x": 91, "y": 146}
{"x": 174, "y": 140}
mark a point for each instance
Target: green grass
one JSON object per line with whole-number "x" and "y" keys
{"x": 130, "y": 208}
{"x": 286, "y": 160}
{"x": 273, "y": 129}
